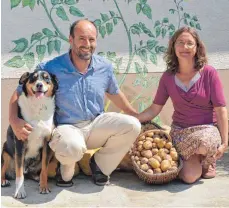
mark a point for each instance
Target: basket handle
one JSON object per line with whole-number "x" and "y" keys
{"x": 152, "y": 122}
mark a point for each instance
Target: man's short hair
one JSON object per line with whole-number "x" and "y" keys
{"x": 74, "y": 24}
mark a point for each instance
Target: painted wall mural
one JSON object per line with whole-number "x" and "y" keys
{"x": 146, "y": 34}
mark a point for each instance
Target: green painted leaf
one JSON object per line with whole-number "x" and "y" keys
{"x": 143, "y": 1}
{"x": 51, "y": 46}
{"x": 29, "y": 60}
{"x": 186, "y": 15}
{"x": 109, "y": 27}
{"x": 47, "y": 32}
{"x": 165, "y": 20}
{"x": 75, "y": 11}
{"x": 40, "y": 49}
{"x": 14, "y": 3}
{"x": 185, "y": 21}
{"x": 143, "y": 55}
{"x": 158, "y": 31}
{"x": 162, "y": 49}
{"x": 157, "y": 23}
{"x": 163, "y": 32}
{"x": 195, "y": 18}
{"x": 137, "y": 82}
{"x": 57, "y": 45}
{"x": 61, "y": 13}
{"x": 138, "y": 68}
{"x": 102, "y": 31}
{"x": 172, "y": 27}
{"x": 15, "y": 62}
{"x": 134, "y": 31}
{"x": 70, "y": 2}
{"x": 104, "y": 17}
{"x": 138, "y": 8}
{"x": 192, "y": 23}
{"x": 119, "y": 61}
{"x": 97, "y": 22}
{"x": 141, "y": 107}
{"x": 111, "y": 55}
{"x": 153, "y": 58}
{"x": 36, "y": 36}
{"x": 147, "y": 11}
{"x": 198, "y": 26}
{"x": 141, "y": 42}
{"x": 115, "y": 21}
{"x": 55, "y": 2}
{"x": 157, "y": 49}
{"x": 101, "y": 53}
{"x": 145, "y": 71}
{"x": 181, "y": 8}
{"x": 21, "y": 45}
{"x": 172, "y": 11}
{"x": 30, "y": 3}
{"x": 112, "y": 13}
{"x": 151, "y": 44}
{"x": 171, "y": 33}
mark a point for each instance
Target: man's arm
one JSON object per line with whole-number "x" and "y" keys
{"x": 122, "y": 103}
{"x": 222, "y": 122}
{"x": 20, "y": 128}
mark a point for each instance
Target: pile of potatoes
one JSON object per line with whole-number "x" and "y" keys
{"x": 154, "y": 153}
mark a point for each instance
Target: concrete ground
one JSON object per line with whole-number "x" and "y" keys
{"x": 126, "y": 190}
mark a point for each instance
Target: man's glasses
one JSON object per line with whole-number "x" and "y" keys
{"x": 189, "y": 45}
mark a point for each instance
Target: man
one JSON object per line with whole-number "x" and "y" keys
{"x": 84, "y": 78}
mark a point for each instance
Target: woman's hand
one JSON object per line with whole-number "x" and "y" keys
{"x": 220, "y": 151}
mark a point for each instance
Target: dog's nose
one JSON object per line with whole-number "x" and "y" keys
{"x": 39, "y": 85}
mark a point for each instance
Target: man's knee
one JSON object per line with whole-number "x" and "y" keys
{"x": 134, "y": 127}
{"x": 67, "y": 150}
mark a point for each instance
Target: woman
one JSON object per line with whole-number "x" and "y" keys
{"x": 198, "y": 100}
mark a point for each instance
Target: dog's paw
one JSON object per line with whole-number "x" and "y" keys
{"x": 44, "y": 190}
{"x": 20, "y": 194}
{"x": 5, "y": 183}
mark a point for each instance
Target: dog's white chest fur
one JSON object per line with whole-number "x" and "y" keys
{"x": 38, "y": 113}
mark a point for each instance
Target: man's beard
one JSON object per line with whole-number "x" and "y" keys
{"x": 85, "y": 56}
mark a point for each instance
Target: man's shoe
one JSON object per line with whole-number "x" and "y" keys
{"x": 209, "y": 172}
{"x": 59, "y": 180}
{"x": 98, "y": 177}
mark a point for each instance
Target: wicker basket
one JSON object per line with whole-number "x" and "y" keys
{"x": 155, "y": 178}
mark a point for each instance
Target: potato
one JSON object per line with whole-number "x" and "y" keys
{"x": 156, "y": 139}
{"x": 174, "y": 163}
{"x": 165, "y": 165}
{"x": 137, "y": 153}
{"x": 154, "y": 163}
{"x": 136, "y": 158}
{"x": 157, "y": 170}
{"x": 161, "y": 143}
{"x": 150, "y": 134}
{"x": 146, "y": 153}
{"x": 173, "y": 149}
{"x": 158, "y": 158}
{"x": 144, "y": 160}
{"x": 139, "y": 163}
{"x": 174, "y": 155}
{"x": 166, "y": 150}
{"x": 154, "y": 151}
{"x": 144, "y": 167}
{"x": 147, "y": 145}
{"x": 150, "y": 171}
{"x": 168, "y": 145}
{"x": 142, "y": 137}
{"x": 154, "y": 145}
{"x": 149, "y": 139}
{"x": 140, "y": 147}
{"x": 168, "y": 157}
{"x": 140, "y": 142}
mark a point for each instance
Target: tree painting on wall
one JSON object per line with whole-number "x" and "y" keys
{"x": 43, "y": 43}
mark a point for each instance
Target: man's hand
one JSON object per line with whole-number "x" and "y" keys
{"x": 21, "y": 129}
{"x": 220, "y": 151}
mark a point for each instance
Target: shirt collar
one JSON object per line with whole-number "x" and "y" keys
{"x": 70, "y": 66}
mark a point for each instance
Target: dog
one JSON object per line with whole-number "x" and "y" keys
{"x": 36, "y": 105}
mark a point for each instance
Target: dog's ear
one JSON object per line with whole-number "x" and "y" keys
{"x": 24, "y": 78}
{"x": 55, "y": 82}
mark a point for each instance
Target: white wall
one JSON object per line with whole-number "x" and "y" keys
{"x": 213, "y": 17}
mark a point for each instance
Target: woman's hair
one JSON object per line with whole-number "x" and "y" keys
{"x": 170, "y": 55}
